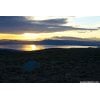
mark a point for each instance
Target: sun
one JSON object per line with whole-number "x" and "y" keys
{"x": 30, "y": 36}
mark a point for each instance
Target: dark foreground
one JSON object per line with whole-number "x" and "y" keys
{"x": 54, "y": 66}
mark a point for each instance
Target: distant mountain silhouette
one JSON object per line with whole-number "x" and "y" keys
{"x": 68, "y": 42}
{"x": 56, "y": 41}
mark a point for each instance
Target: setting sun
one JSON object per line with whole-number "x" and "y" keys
{"x": 30, "y": 36}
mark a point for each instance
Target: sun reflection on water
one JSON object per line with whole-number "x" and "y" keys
{"x": 32, "y": 47}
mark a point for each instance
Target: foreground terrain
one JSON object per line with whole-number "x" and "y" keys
{"x": 53, "y": 66}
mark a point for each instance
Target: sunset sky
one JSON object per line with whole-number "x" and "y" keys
{"x": 37, "y": 28}
{"x": 39, "y": 32}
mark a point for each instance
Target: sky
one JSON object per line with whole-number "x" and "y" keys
{"x": 37, "y": 28}
{"x": 51, "y": 29}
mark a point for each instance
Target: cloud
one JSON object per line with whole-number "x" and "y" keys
{"x": 59, "y": 21}
{"x": 21, "y": 24}
{"x": 69, "y": 38}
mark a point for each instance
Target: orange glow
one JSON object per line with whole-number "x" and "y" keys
{"x": 31, "y": 47}
{"x": 42, "y": 36}
{"x": 30, "y": 36}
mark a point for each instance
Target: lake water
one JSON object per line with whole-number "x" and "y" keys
{"x": 37, "y": 47}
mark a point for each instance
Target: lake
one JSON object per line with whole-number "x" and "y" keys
{"x": 33, "y": 47}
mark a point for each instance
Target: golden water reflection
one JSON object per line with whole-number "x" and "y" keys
{"x": 31, "y": 47}
{"x": 41, "y": 47}
{"x": 34, "y": 47}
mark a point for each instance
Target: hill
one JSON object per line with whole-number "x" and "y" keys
{"x": 51, "y": 66}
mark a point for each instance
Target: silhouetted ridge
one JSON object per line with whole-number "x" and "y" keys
{"x": 50, "y": 65}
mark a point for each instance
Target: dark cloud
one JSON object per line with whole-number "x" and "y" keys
{"x": 69, "y": 38}
{"x": 20, "y": 24}
{"x": 55, "y": 21}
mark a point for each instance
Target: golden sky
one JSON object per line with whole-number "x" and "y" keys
{"x": 52, "y": 25}
{"x": 41, "y": 36}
